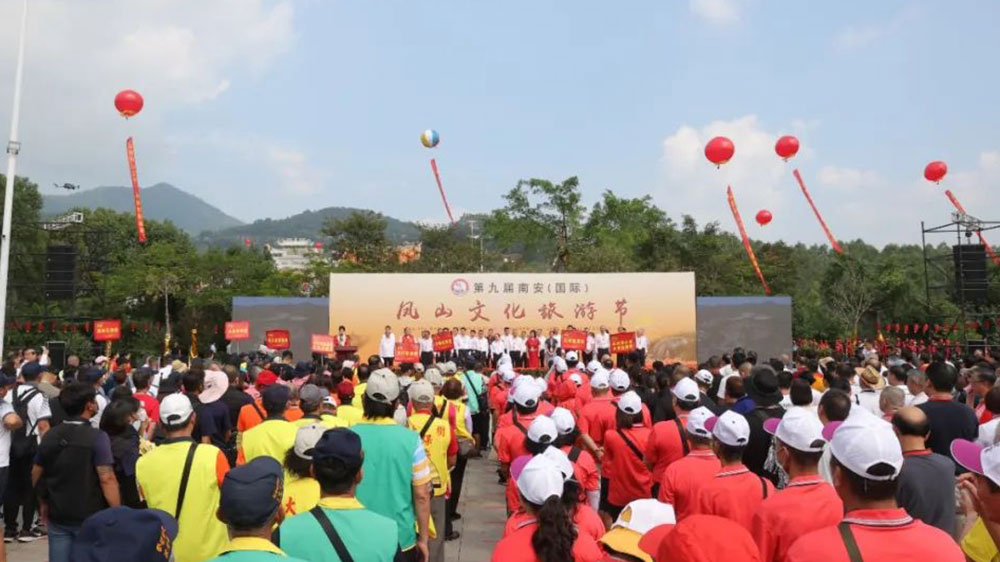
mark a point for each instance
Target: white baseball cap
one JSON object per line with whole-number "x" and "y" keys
{"x": 863, "y": 441}
{"x": 600, "y": 380}
{"x": 504, "y": 360}
{"x": 306, "y": 438}
{"x": 559, "y": 364}
{"x": 383, "y": 386}
{"x": 576, "y": 378}
{"x": 507, "y": 373}
{"x": 542, "y": 430}
{"x": 978, "y": 459}
{"x": 799, "y": 428}
{"x": 686, "y": 390}
{"x": 561, "y": 460}
{"x": 730, "y": 428}
{"x": 175, "y": 409}
{"x": 630, "y": 403}
{"x": 594, "y": 366}
{"x": 704, "y": 376}
{"x": 572, "y": 356}
{"x": 421, "y": 391}
{"x": 696, "y": 422}
{"x": 527, "y": 393}
{"x": 540, "y": 479}
{"x": 564, "y": 420}
{"x": 619, "y": 380}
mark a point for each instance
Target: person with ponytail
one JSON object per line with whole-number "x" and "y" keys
{"x": 624, "y": 462}
{"x": 548, "y": 534}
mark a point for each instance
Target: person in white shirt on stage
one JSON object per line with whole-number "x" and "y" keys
{"x": 462, "y": 345}
{"x": 387, "y": 347}
{"x": 426, "y": 348}
{"x": 603, "y": 342}
{"x": 590, "y": 348}
{"x": 641, "y": 345}
{"x": 483, "y": 346}
{"x": 507, "y": 339}
{"x": 518, "y": 349}
{"x": 497, "y": 349}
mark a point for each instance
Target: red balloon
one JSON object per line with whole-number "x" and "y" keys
{"x": 128, "y": 103}
{"x": 935, "y": 171}
{"x": 719, "y": 150}
{"x": 787, "y": 146}
{"x": 764, "y": 217}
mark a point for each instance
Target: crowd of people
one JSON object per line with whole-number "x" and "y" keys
{"x": 847, "y": 457}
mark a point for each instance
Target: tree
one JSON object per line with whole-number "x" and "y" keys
{"x": 361, "y": 238}
{"x": 445, "y": 249}
{"x": 851, "y": 290}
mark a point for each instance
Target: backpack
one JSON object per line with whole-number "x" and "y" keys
{"x": 21, "y": 443}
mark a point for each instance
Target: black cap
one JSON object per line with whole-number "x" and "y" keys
{"x": 275, "y": 397}
{"x": 123, "y": 533}
{"x": 92, "y": 375}
{"x": 341, "y": 444}
{"x": 251, "y": 493}
{"x": 31, "y": 369}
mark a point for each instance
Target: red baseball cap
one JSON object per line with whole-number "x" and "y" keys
{"x": 266, "y": 378}
{"x": 696, "y": 539}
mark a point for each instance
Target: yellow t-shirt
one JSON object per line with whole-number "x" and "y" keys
{"x": 328, "y": 421}
{"x": 350, "y": 413}
{"x": 436, "y": 440}
{"x": 359, "y": 391}
{"x": 271, "y": 437}
{"x": 301, "y": 495}
{"x": 978, "y": 545}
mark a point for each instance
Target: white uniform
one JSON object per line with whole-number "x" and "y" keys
{"x": 426, "y": 345}
{"x": 387, "y": 345}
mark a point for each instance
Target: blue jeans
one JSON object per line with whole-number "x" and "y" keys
{"x": 61, "y": 539}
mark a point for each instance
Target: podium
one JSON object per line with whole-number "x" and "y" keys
{"x": 342, "y": 352}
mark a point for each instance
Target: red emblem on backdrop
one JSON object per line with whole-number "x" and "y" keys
{"x": 459, "y": 287}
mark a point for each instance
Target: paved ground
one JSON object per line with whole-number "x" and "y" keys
{"x": 482, "y": 508}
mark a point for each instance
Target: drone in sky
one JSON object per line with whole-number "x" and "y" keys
{"x": 67, "y": 186}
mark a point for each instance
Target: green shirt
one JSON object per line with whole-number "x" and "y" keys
{"x": 253, "y": 549}
{"x": 473, "y": 383}
{"x": 368, "y": 536}
{"x": 395, "y": 461}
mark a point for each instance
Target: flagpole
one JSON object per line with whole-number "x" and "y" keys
{"x": 13, "y": 148}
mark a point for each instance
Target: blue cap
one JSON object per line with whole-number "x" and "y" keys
{"x": 7, "y": 380}
{"x": 340, "y": 444}
{"x": 31, "y": 370}
{"x": 251, "y": 493}
{"x": 275, "y": 397}
{"x": 123, "y": 533}
{"x": 92, "y": 374}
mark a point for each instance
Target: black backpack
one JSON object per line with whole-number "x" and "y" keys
{"x": 21, "y": 443}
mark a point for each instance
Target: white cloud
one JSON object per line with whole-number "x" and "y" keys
{"x": 294, "y": 171}
{"x": 716, "y": 11}
{"x": 849, "y": 178}
{"x": 855, "y": 37}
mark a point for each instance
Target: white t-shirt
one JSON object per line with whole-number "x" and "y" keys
{"x": 497, "y": 348}
{"x": 868, "y": 399}
{"x": 988, "y": 432}
{"x": 460, "y": 342}
{"x": 38, "y": 408}
{"x": 603, "y": 340}
{"x": 387, "y": 345}
{"x": 102, "y": 403}
{"x": 5, "y": 410}
{"x": 483, "y": 344}
{"x": 591, "y": 344}
{"x": 917, "y": 399}
{"x": 426, "y": 345}
{"x": 641, "y": 342}
{"x": 518, "y": 344}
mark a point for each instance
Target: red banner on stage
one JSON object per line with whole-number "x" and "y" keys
{"x": 140, "y": 225}
{"x": 623, "y": 342}
{"x": 407, "y": 353}
{"x": 238, "y": 330}
{"x": 322, "y": 343}
{"x": 107, "y": 330}
{"x": 277, "y": 339}
{"x": 443, "y": 341}
{"x": 574, "y": 339}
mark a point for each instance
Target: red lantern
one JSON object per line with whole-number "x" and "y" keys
{"x": 719, "y": 150}
{"x": 935, "y": 171}
{"x": 319, "y": 245}
{"x": 787, "y": 146}
{"x": 246, "y": 242}
{"x": 128, "y": 103}
{"x": 763, "y": 217}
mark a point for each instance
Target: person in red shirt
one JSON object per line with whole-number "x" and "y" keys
{"x": 544, "y": 407}
{"x": 866, "y": 459}
{"x": 683, "y": 479}
{"x": 808, "y": 502}
{"x": 700, "y": 538}
{"x": 983, "y": 379}
{"x": 592, "y": 415}
{"x": 549, "y": 533}
{"x": 583, "y": 393}
{"x": 584, "y": 467}
{"x": 734, "y": 493}
{"x": 141, "y": 380}
{"x": 561, "y": 389}
{"x": 668, "y": 442}
{"x": 541, "y": 436}
{"x": 628, "y": 475}
{"x": 509, "y": 440}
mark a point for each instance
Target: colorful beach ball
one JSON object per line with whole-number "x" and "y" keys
{"x": 430, "y": 138}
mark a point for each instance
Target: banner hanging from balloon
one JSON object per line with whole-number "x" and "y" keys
{"x": 746, "y": 240}
{"x": 819, "y": 217}
{"x": 437, "y": 177}
{"x": 140, "y": 225}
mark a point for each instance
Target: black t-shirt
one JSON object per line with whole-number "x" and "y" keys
{"x": 927, "y": 489}
{"x": 949, "y": 420}
{"x": 235, "y": 399}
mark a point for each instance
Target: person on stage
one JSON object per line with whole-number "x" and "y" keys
{"x": 387, "y": 347}
{"x": 518, "y": 349}
{"x": 603, "y": 343}
{"x": 641, "y": 346}
{"x": 533, "y": 346}
{"x": 342, "y": 339}
{"x": 426, "y": 348}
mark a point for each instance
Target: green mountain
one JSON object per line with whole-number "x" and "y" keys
{"x": 303, "y": 225}
{"x": 159, "y": 202}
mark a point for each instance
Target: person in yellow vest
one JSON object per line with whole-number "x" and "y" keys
{"x": 457, "y": 413}
{"x": 441, "y": 445}
{"x": 310, "y": 401}
{"x": 273, "y": 436}
{"x": 200, "y": 467}
{"x": 347, "y": 411}
{"x": 436, "y": 379}
{"x": 301, "y": 489}
{"x": 360, "y": 384}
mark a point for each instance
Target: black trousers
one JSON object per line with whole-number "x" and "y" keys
{"x": 515, "y": 358}
{"x": 387, "y": 361}
{"x": 481, "y": 426}
{"x": 426, "y": 358}
{"x": 457, "y": 477}
{"x": 602, "y": 352}
{"x": 19, "y": 495}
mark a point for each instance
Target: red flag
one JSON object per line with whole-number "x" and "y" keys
{"x": 140, "y": 225}
{"x": 926, "y": 327}
{"x": 746, "y": 240}
{"x": 822, "y": 223}
{"x": 906, "y": 329}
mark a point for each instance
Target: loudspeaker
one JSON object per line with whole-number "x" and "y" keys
{"x": 60, "y": 272}
{"x": 970, "y": 271}
{"x": 57, "y": 355}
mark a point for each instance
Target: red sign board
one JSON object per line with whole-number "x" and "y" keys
{"x": 322, "y": 343}
{"x": 574, "y": 339}
{"x": 623, "y": 342}
{"x": 277, "y": 339}
{"x": 107, "y": 330}
{"x": 443, "y": 341}
{"x": 238, "y": 330}
{"x": 407, "y": 353}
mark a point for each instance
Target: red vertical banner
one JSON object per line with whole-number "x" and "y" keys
{"x": 819, "y": 217}
{"x": 746, "y": 240}
{"x": 139, "y": 224}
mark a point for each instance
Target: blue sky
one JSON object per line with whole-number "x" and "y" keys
{"x": 269, "y": 108}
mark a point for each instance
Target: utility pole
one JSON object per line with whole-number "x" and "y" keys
{"x": 13, "y": 148}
